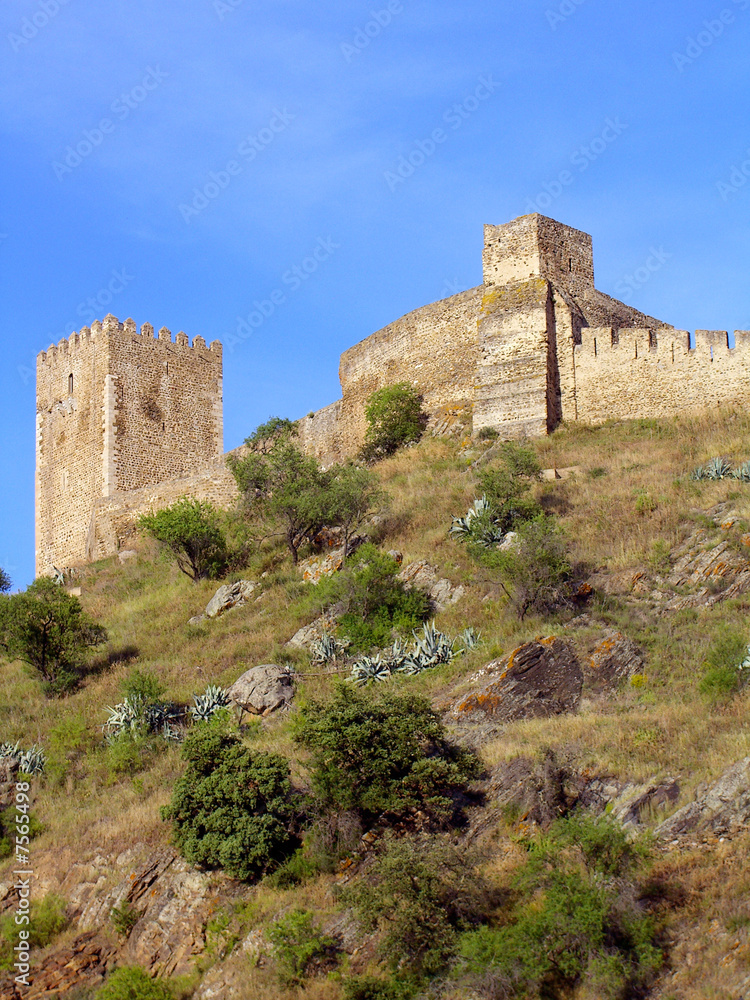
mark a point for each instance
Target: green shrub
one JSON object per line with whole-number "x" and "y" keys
{"x": 533, "y": 573}
{"x": 8, "y": 829}
{"x": 577, "y": 918}
{"x": 385, "y": 753}
{"x": 395, "y": 418}
{"x": 420, "y": 893}
{"x": 374, "y": 988}
{"x": 47, "y": 920}
{"x": 298, "y": 945}
{"x": 142, "y": 685}
{"x": 231, "y": 809}
{"x": 376, "y": 602}
{"x": 191, "y": 530}
{"x": 507, "y": 487}
{"x": 68, "y": 740}
{"x": 134, "y": 984}
{"x": 124, "y": 917}
{"x": 725, "y": 665}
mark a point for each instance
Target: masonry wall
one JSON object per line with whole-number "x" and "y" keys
{"x": 640, "y": 373}
{"x": 70, "y": 441}
{"x": 434, "y": 348}
{"x": 113, "y": 519}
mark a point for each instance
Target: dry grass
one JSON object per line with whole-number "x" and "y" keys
{"x": 665, "y": 727}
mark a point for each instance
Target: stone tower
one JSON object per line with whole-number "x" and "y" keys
{"x": 118, "y": 410}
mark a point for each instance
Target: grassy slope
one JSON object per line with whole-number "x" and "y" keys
{"x": 664, "y": 727}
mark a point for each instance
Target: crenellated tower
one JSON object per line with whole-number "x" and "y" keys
{"x": 118, "y": 410}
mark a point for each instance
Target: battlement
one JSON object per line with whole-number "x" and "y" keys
{"x": 112, "y": 327}
{"x": 666, "y": 344}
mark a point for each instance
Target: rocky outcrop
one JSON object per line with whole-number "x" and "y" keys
{"x": 230, "y": 595}
{"x": 723, "y": 808}
{"x": 424, "y": 576}
{"x": 614, "y": 659}
{"x": 263, "y": 689}
{"x": 8, "y": 772}
{"x": 84, "y": 962}
{"x": 539, "y": 679}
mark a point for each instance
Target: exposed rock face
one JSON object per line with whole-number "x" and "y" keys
{"x": 537, "y": 680}
{"x": 425, "y": 577}
{"x": 615, "y": 659}
{"x": 8, "y": 772}
{"x": 630, "y": 804}
{"x": 262, "y": 690}
{"x": 331, "y": 557}
{"x": 230, "y": 595}
{"x": 723, "y": 808}
{"x": 86, "y": 960}
{"x": 304, "y": 637}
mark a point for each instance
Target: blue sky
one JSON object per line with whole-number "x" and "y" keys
{"x": 176, "y": 161}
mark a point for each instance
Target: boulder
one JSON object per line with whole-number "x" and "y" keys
{"x": 262, "y": 690}
{"x": 724, "y": 807}
{"x": 539, "y": 679}
{"x": 230, "y": 595}
{"x": 614, "y": 659}
{"x": 632, "y": 801}
{"x": 8, "y": 770}
{"x": 425, "y": 576}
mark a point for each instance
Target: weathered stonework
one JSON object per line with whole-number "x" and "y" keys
{"x": 127, "y": 423}
{"x": 118, "y": 411}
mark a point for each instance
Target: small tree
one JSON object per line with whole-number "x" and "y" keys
{"x": 285, "y": 487}
{"x": 507, "y": 487}
{"x": 47, "y": 628}
{"x": 4, "y": 581}
{"x": 534, "y": 572}
{"x": 354, "y": 494}
{"x": 191, "y": 530}
{"x": 231, "y": 809}
{"x": 385, "y": 754}
{"x": 395, "y": 417}
{"x": 266, "y": 436}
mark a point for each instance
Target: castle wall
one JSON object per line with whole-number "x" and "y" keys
{"x": 534, "y": 246}
{"x": 70, "y": 444}
{"x": 433, "y": 348}
{"x": 511, "y": 392}
{"x": 168, "y": 405}
{"x": 639, "y": 373}
{"x": 112, "y": 520}
{"x": 320, "y": 434}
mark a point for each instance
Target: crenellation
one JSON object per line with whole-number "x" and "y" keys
{"x": 165, "y": 334}
{"x": 182, "y": 339}
{"x": 147, "y": 330}
{"x": 129, "y": 327}
{"x": 199, "y": 342}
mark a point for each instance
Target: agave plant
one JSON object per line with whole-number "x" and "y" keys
{"x": 468, "y": 639}
{"x": 212, "y": 700}
{"x": 461, "y": 526}
{"x": 433, "y": 647}
{"x": 125, "y": 717}
{"x": 742, "y": 472}
{"x": 33, "y": 760}
{"x": 10, "y": 750}
{"x": 327, "y": 648}
{"x": 370, "y": 668}
{"x": 717, "y": 468}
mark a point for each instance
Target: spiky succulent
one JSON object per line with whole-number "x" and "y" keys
{"x": 461, "y": 527}
{"x": 742, "y": 472}
{"x": 33, "y": 760}
{"x": 370, "y": 668}
{"x": 10, "y": 750}
{"x": 327, "y": 648}
{"x": 212, "y": 700}
{"x": 467, "y": 640}
{"x": 433, "y": 647}
{"x": 126, "y": 717}
{"x": 717, "y": 468}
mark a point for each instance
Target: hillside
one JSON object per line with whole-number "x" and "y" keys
{"x": 642, "y": 538}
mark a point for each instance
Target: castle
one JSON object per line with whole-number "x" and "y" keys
{"x": 127, "y": 422}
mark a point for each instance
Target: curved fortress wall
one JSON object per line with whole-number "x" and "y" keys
{"x": 118, "y": 410}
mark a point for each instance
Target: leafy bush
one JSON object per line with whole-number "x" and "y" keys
{"x": 576, "y": 918}
{"x": 532, "y": 573}
{"x": 68, "y": 740}
{"x": 47, "y": 920}
{"x": 395, "y": 418}
{"x": 124, "y": 917}
{"x": 5, "y": 582}
{"x": 376, "y": 602}
{"x": 298, "y": 945}
{"x": 420, "y": 893}
{"x": 231, "y": 808}
{"x": 507, "y": 487}
{"x": 725, "y": 666}
{"x": 47, "y": 628}
{"x": 192, "y": 532}
{"x": 8, "y": 829}
{"x": 142, "y": 685}
{"x": 374, "y": 988}
{"x": 383, "y": 754}
{"x": 134, "y": 984}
